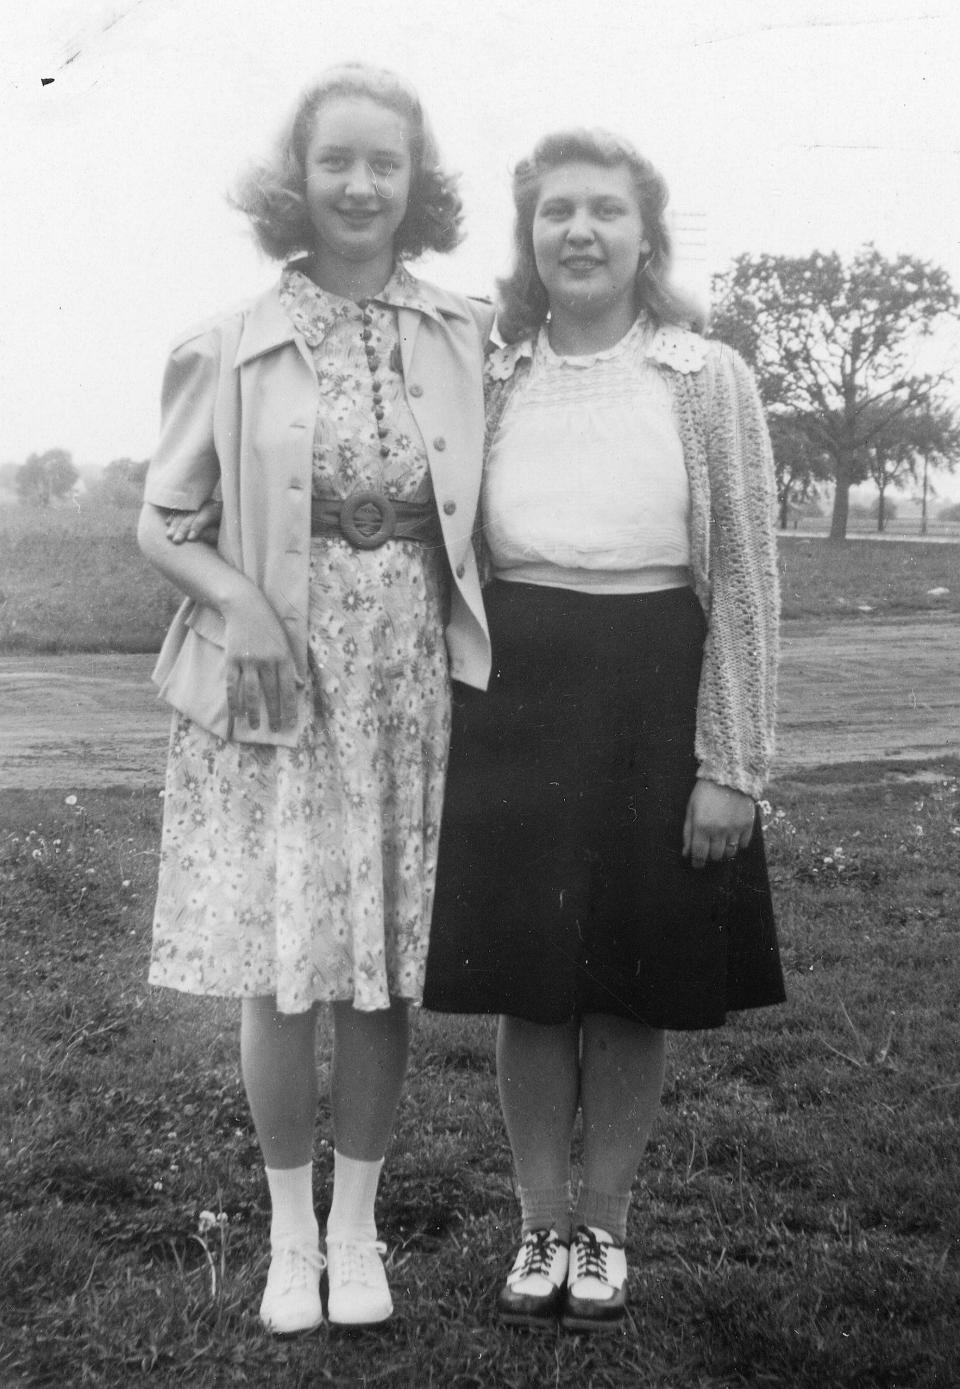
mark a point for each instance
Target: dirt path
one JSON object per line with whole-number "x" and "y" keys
{"x": 848, "y": 693}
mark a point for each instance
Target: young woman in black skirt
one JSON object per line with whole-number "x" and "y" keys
{"x": 602, "y": 875}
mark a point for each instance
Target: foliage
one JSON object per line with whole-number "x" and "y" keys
{"x": 905, "y": 443}
{"x": 45, "y": 476}
{"x": 121, "y": 482}
{"x": 799, "y": 461}
{"x": 832, "y": 343}
{"x": 786, "y": 1232}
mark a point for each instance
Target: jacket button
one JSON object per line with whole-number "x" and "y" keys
{"x": 440, "y": 443}
{"x": 449, "y": 508}
{"x": 461, "y": 570}
{"x": 416, "y": 391}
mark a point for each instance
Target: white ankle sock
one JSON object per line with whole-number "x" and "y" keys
{"x": 293, "y": 1220}
{"x": 354, "y": 1196}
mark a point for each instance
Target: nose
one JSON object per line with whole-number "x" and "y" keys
{"x": 360, "y": 180}
{"x": 580, "y": 228}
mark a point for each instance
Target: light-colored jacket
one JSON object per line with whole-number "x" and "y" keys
{"x": 239, "y": 403}
{"x": 733, "y": 553}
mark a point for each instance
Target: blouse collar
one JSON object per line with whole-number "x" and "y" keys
{"x": 669, "y": 346}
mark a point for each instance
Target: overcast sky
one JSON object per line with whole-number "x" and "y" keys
{"x": 781, "y": 126}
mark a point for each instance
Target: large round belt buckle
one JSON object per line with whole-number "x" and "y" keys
{"x": 368, "y": 520}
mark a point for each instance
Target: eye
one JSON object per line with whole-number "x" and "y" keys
{"x": 382, "y": 167}
{"x": 554, "y": 212}
{"x": 333, "y": 162}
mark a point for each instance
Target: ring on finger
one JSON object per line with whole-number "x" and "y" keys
{"x": 730, "y": 848}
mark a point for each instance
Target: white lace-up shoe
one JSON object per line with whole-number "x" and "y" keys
{"x": 291, "y": 1299}
{"x": 359, "y": 1295}
{"x": 532, "y": 1291}
{"x": 596, "y": 1296}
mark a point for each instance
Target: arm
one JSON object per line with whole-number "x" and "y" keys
{"x": 258, "y": 654}
{"x": 737, "y": 690}
{"x": 184, "y": 470}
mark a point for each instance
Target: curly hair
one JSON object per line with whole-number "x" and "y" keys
{"x": 272, "y": 192}
{"x": 523, "y": 304}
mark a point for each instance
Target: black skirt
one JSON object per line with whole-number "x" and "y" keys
{"x": 561, "y": 887}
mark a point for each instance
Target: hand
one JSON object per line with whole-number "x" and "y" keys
{"x": 719, "y": 821}
{"x": 259, "y": 660}
{"x": 195, "y": 525}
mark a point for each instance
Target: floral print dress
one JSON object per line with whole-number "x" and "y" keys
{"x": 308, "y": 872}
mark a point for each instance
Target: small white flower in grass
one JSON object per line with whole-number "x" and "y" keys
{"x": 70, "y": 800}
{"x": 125, "y": 883}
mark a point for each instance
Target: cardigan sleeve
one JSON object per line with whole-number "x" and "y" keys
{"x": 737, "y": 703}
{"x": 185, "y": 469}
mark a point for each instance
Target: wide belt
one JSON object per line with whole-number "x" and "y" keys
{"x": 369, "y": 519}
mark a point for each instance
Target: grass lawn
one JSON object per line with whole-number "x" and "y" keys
{"x": 797, "y": 1221}
{"x": 73, "y": 579}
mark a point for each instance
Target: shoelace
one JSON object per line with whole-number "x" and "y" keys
{"x": 355, "y": 1262}
{"x": 590, "y": 1256}
{"x": 539, "y": 1247}
{"x": 298, "y": 1267}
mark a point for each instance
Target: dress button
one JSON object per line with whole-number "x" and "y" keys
{"x": 449, "y": 508}
{"x": 461, "y": 570}
{"x": 440, "y": 443}
{"x": 416, "y": 392}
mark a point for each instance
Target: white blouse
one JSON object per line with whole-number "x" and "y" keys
{"x": 585, "y": 486}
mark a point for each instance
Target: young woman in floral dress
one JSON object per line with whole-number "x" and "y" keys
{"x": 340, "y": 418}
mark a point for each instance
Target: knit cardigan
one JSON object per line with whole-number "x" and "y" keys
{"x": 733, "y": 556}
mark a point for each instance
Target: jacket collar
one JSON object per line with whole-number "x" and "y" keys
{"x": 267, "y": 325}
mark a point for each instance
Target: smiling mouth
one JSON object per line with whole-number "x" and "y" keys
{"x": 580, "y": 263}
{"x": 358, "y": 216}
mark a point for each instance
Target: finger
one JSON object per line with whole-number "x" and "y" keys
{"x": 688, "y": 829}
{"x": 699, "y": 848}
{"x": 270, "y": 684}
{"x": 233, "y": 689}
{"x": 250, "y": 694}
{"x": 718, "y": 847}
{"x": 288, "y": 695}
{"x": 177, "y": 529}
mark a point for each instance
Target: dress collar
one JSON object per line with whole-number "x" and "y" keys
{"x": 315, "y": 311}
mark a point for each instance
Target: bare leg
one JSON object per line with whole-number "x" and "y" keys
{"x": 279, "y": 1072}
{"x": 622, "y": 1076}
{"x": 369, "y": 1063}
{"x": 538, "y": 1073}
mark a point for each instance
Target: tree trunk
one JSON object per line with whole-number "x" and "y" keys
{"x": 881, "y": 511}
{"x": 841, "y": 505}
{"x": 784, "y": 508}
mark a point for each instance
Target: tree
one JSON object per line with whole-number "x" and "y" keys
{"x": 903, "y": 443}
{"x": 799, "y": 463}
{"x": 45, "y": 476}
{"x": 121, "y": 482}
{"x": 832, "y": 343}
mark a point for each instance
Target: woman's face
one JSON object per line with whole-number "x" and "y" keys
{"x": 357, "y": 179}
{"x": 588, "y": 238}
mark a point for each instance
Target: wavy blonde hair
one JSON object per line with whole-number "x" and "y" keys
{"x": 272, "y": 192}
{"x": 523, "y": 303}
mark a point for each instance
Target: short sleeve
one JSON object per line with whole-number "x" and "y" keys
{"x": 185, "y": 469}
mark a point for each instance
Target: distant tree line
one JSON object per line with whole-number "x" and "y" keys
{"x": 52, "y": 476}
{"x": 835, "y": 351}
